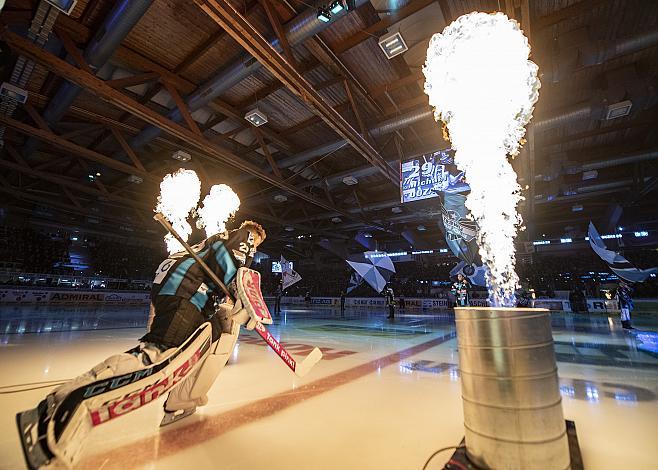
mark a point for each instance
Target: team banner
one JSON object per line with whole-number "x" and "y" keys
{"x": 426, "y": 176}
{"x": 460, "y": 231}
{"x": 289, "y": 275}
{"x": 617, "y": 263}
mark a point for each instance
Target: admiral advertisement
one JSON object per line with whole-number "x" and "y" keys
{"x": 425, "y": 176}
{"x": 47, "y": 296}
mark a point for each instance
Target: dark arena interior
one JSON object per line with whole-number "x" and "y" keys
{"x": 453, "y": 333}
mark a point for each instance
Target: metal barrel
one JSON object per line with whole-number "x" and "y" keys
{"x": 510, "y": 392}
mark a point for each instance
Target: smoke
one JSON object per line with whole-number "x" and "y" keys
{"x": 179, "y": 195}
{"x": 218, "y": 206}
{"x": 483, "y": 87}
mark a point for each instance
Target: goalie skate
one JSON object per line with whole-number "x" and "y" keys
{"x": 170, "y": 417}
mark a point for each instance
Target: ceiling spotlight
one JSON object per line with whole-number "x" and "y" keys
{"x": 256, "y": 117}
{"x": 337, "y": 6}
{"x": 350, "y": 180}
{"x": 421, "y": 228}
{"x": 280, "y": 198}
{"x": 324, "y": 15}
{"x": 135, "y": 179}
{"x": 290, "y": 229}
{"x": 336, "y": 220}
{"x": 367, "y": 235}
{"x": 98, "y": 173}
{"x": 393, "y": 45}
{"x": 396, "y": 210}
{"x": 181, "y": 156}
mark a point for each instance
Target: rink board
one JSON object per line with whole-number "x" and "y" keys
{"x": 63, "y": 296}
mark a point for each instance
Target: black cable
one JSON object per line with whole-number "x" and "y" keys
{"x": 427, "y": 462}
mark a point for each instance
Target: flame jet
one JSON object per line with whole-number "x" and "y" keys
{"x": 179, "y": 195}
{"x": 483, "y": 87}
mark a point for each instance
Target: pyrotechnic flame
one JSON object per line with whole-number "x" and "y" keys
{"x": 179, "y": 195}
{"x": 482, "y": 85}
{"x": 218, "y": 206}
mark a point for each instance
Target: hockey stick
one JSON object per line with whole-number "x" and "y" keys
{"x": 299, "y": 368}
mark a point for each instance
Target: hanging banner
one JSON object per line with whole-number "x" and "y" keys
{"x": 460, "y": 231}
{"x": 424, "y": 177}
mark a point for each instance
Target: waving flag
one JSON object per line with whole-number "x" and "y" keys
{"x": 355, "y": 281}
{"x": 618, "y": 264}
{"x": 289, "y": 275}
{"x": 473, "y": 272}
{"x": 376, "y": 268}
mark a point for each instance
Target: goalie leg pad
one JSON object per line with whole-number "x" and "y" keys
{"x": 192, "y": 392}
{"x": 115, "y": 387}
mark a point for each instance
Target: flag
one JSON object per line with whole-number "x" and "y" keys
{"x": 376, "y": 268}
{"x": 355, "y": 281}
{"x": 617, "y": 263}
{"x": 460, "y": 231}
{"x": 288, "y": 275}
{"x": 473, "y": 272}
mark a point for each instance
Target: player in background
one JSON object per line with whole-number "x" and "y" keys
{"x": 460, "y": 289}
{"x": 624, "y": 297}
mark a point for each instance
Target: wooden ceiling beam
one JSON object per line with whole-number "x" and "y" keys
{"x": 127, "y": 148}
{"x": 99, "y": 88}
{"x": 73, "y": 50}
{"x": 245, "y": 34}
{"x": 182, "y": 107}
{"x": 266, "y": 151}
{"x": 53, "y": 139}
{"x": 275, "y": 22}
{"x": 137, "y": 79}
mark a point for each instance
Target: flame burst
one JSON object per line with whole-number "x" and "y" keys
{"x": 179, "y": 195}
{"x": 482, "y": 85}
{"x": 218, "y": 206}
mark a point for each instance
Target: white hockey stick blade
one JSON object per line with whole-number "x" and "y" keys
{"x": 302, "y": 368}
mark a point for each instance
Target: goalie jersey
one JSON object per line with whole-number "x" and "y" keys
{"x": 183, "y": 295}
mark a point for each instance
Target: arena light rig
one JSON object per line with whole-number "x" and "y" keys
{"x": 484, "y": 88}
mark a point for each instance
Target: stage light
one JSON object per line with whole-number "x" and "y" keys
{"x": 135, "y": 179}
{"x": 324, "y": 15}
{"x": 393, "y": 45}
{"x": 641, "y": 234}
{"x": 181, "y": 156}
{"x": 350, "y": 180}
{"x": 256, "y": 117}
{"x": 336, "y": 7}
{"x": 280, "y": 198}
